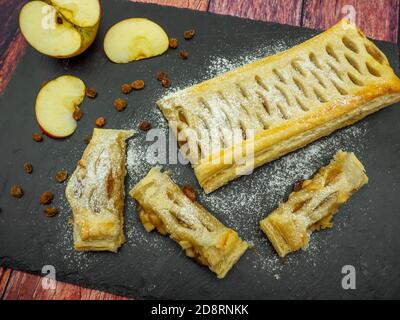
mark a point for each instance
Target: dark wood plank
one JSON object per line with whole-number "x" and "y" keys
{"x": 10, "y": 59}
{"x": 12, "y": 44}
{"x": 4, "y": 277}
{"x": 201, "y": 5}
{"x": 378, "y": 19}
{"x": 9, "y": 21}
{"x": 24, "y": 286}
{"x": 282, "y": 11}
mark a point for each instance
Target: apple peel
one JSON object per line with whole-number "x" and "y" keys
{"x": 135, "y": 39}
{"x": 60, "y": 28}
{"x": 55, "y": 104}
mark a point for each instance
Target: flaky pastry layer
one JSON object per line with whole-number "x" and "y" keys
{"x": 313, "y": 203}
{"x": 286, "y": 101}
{"x": 96, "y": 192}
{"x": 163, "y": 206}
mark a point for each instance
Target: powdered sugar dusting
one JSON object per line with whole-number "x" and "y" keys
{"x": 220, "y": 64}
{"x": 270, "y": 184}
{"x": 242, "y": 204}
{"x": 265, "y": 188}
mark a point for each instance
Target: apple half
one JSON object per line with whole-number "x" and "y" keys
{"x": 55, "y": 104}
{"x": 60, "y": 28}
{"x": 135, "y": 39}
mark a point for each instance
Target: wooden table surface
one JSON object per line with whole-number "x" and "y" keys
{"x": 378, "y": 18}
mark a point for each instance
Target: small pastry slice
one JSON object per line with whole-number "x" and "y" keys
{"x": 313, "y": 203}
{"x": 96, "y": 192}
{"x": 163, "y": 206}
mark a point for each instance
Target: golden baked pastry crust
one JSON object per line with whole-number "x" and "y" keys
{"x": 312, "y": 206}
{"x": 163, "y": 206}
{"x": 288, "y": 100}
{"x": 96, "y": 192}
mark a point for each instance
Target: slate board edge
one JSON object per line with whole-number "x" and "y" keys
{"x": 8, "y": 262}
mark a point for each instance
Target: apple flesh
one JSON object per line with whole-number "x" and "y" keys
{"x": 60, "y": 28}
{"x": 56, "y": 103}
{"x": 135, "y": 39}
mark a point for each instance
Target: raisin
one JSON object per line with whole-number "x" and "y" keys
{"x": 16, "y": 191}
{"x": 173, "y": 43}
{"x": 297, "y": 187}
{"x": 184, "y": 55}
{"x": 91, "y": 93}
{"x": 120, "y": 104}
{"x": 37, "y": 137}
{"x": 126, "y": 88}
{"x": 166, "y": 83}
{"x": 28, "y": 167}
{"x": 46, "y": 198}
{"x": 87, "y": 139}
{"x": 61, "y": 176}
{"x": 145, "y": 126}
{"x": 50, "y": 212}
{"x": 189, "y": 192}
{"x": 100, "y": 122}
{"x": 138, "y": 85}
{"x": 77, "y": 115}
{"x": 189, "y": 34}
{"x": 161, "y": 76}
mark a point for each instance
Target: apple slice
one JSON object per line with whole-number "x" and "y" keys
{"x": 56, "y": 103}
{"x": 135, "y": 39}
{"x": 60, "y": 28}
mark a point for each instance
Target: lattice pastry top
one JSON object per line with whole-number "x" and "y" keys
{"x": 280, "y": 103}
{"x": 313, "y": 203}
{"x": 96, "y": 192}
{"x": 165, "y": 207}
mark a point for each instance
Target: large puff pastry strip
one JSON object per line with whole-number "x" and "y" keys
{"x": 96, "y": 192}
{"x": 163, "y": 206}
{"x": 313, "y": 203}
{"x": 288, "y": 100}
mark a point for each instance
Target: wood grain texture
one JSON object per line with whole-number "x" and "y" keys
{"x": 282, "y": 11}
{"x": 12, "y": 44}
{"x": 24, "y": 286}
{"x": 4, "y": 277}
{"x": 378, "y": 19}
{"x": 201, "y": 5}
{"x": 9, "y": 21}
{"x": 10, "y": 59}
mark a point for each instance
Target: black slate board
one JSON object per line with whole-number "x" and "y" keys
{"x": 151, "y": 266}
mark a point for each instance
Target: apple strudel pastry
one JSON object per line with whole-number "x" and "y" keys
{"x": 96, "y": 191}
{"x": 257, "y": 113}
{"x": 313, "y": 203}
{"x": 163, "y": 206}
